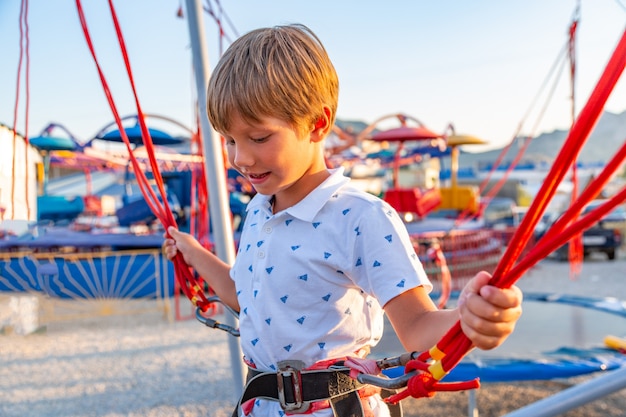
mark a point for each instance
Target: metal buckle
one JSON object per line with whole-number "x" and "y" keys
{"x": 289, "y": 376}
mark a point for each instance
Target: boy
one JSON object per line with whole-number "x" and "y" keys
{"x": 319, "y": 261}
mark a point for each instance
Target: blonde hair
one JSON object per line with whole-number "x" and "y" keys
{"x": 282, "y": 72}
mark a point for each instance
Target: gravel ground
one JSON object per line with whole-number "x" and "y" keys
{"x": 144, "y": 365}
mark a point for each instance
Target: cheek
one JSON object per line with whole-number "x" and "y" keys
{"x": 230, "y": 155}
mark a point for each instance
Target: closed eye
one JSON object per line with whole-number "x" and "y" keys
{"x": 260, "y": 140}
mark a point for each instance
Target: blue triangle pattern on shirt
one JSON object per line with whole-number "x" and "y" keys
{"x": 301, "y": 319}
{"x": 321, "y": 345}
{"x": 345, "y": 211}
{"x": 376, "y": 264}
{"x": 256, "y": 211}
{"x": 326, "y": 297}
{"x": 295, "y": 247}
{"x": 316, "y": 224}
{"x": 359, "y": 262}
{"x": 284, "y": 299}
{"x": 248, "y": 246}
{"x": 288, "y": 347}
{"x": 327, "y": 255}
{"x": 245, "y": 311}
{"x": 255, "y": 341}
{"x": 250, "y": 268}
{"x": 389, "y": 238}
{"x": 304, "y": 277}
{"x": 268, "y": 320}
{"x": 255, "y": 293}
{"x": 358, "y": 232}
{"x": 288, "y": 221}
{"x": 400, "y": 284}
{"x": 259, "y": 243}
{"x": 269, "y": 270}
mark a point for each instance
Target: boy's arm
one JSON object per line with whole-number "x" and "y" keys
{"x": 211, "y": 268}
{"x": 488, "y": 315}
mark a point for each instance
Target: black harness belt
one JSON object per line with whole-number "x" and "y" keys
{"x": 295, "y": 389}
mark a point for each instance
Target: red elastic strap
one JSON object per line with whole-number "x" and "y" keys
{"x": 191, "y": 287}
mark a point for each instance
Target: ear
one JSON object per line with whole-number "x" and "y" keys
{"x": 322, "y": 126}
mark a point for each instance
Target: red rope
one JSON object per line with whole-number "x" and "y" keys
{"x": 454, "y": 345}
{"x": 188, "y": 283}
{"x": 24, "y": 53}
{"x": 436, "y": 254}
{"x": 575, "y": 247}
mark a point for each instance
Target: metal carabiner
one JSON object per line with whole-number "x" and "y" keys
{"x": 387, "y": 383}
{"x": 214, "y": 324}
{"x": 390, "y": 383}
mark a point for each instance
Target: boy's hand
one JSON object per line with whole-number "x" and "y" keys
{"x": 488, "y": 314}
{"x": 176, "y": 241}
{"x": 169, "y": 247}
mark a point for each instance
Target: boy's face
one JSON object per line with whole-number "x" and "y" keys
{"x": 275, "y": 158}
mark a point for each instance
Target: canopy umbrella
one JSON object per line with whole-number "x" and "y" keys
{"x": 45, "y": 144}
{"x": 159, "y": 137}
{"x": 403, "y": 134}
{"x": 52, "y": 143}
{"x": 454, "y": 141}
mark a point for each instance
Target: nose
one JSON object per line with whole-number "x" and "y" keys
{"x": 240, "y": 156}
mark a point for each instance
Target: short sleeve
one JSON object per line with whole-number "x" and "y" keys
{"x": 386, "y": 262}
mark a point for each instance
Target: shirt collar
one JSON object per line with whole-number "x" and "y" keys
{"x": 310, "y": 205}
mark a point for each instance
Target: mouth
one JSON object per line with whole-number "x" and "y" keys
{"x": 257, "y": 177}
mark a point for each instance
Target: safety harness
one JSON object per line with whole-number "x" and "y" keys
{"x": 297, "y": 389}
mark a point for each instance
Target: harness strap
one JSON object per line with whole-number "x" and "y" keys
{"x": 295, "y": 389}
{"x": 348, "y": 405}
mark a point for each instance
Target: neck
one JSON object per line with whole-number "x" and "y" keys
{"x": 295, "y": 193}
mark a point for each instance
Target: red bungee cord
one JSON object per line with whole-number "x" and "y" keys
{"x": 575, "y": 248}
{"x": 454, "y": 345}
{"x": 191, "y": 287}
{"x": 24, "y": 53}
{"x": 435, "y": 253}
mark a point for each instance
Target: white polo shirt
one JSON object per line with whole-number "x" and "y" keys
{"x": 311, "y": 279}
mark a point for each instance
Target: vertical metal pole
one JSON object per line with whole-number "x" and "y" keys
{"x": 216, "y": 178}
{"x": 472, "y": 409}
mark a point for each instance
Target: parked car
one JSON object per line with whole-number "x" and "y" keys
{"x": 605, "y": 236}
{"x": 500, "y": 212}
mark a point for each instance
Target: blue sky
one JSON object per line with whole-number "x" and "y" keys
{"x": 476, "y": 64}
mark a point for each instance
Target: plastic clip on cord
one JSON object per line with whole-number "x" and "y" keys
{"x": 191, "y": 287}
{"x": 454, "y": 345}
